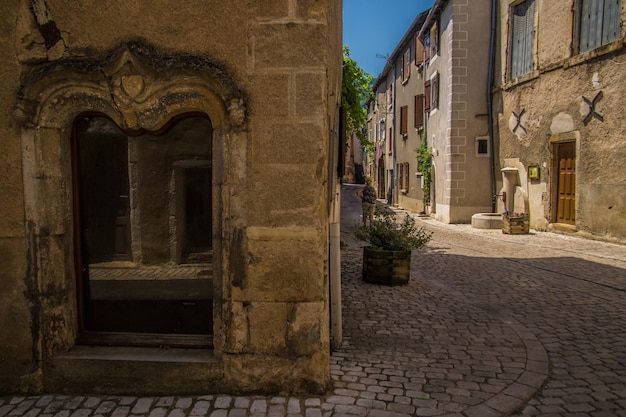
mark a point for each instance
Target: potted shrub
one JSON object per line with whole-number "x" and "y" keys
{"x": 387, "y": 260}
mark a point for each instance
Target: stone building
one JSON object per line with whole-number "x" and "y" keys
{"x": 169, "y": 195}
{"x": 396, "y": 120}
{"x": 559, "y": 113}
{"x": 456, "y": 42}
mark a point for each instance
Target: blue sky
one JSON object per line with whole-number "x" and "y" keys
{"x": 372, "y": 27}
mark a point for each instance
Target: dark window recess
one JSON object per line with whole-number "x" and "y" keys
{"x": 197, "y": 213}
{"x": 483, "y": 147}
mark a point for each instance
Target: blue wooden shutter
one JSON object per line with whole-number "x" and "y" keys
{"x": 523, "y": 22}
{"x": 599, "y": 23}
{"x": 611, "y": 22}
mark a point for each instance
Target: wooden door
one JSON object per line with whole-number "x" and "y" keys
{"x": 566, "y": 187}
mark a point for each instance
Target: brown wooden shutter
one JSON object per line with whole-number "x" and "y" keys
{"x": 419, "y": 111}
{"x": 419, "y": 51}
{"x": 427, "y": 95}
{"x": 404, "y": 123}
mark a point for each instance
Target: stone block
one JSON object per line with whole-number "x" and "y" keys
{"x": 268, "y": 327}
{"x": 288, "y": 45}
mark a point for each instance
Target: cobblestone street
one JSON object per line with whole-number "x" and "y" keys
{"x": 489, "y": 325}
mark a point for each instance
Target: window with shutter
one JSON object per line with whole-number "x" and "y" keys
{"x": 427, "y": 95}
{"x": 419, "y": 111}
{"x": 406, "y": 176}
{"x": 522, "y": 39}
{"x": 407, "y": 63}
{"x": 419, "y": 52}
{"x": 599, "y": 23}
{"x": 434, "y": 41}
{"x": 434, "y": 92}
{"x": 427, "y": 47}
{"x": 404, "y": 123}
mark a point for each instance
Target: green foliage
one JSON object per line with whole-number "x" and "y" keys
{"x": 355, "y": 92}
{"x": 425, "y": 166}
{"x": 386, "y": 233}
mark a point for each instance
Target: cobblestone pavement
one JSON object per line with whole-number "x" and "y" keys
{"x": 489, "y": 325}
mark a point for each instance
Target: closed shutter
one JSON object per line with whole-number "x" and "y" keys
{"x": 427, "y": 95}
{"x": 523, "y": 22}
{"x": 599, "y": 23}
{"x": 404, "y": 123}
{"x": 419, "y": 111}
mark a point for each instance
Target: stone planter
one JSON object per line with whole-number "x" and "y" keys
{"x": 386, "y": 267}
{"x": 515, "y": 225}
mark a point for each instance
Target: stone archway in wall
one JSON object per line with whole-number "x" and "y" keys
{"x": 184, "y": 115}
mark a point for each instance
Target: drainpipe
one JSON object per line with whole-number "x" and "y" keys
{"x": 492, "y": 42}
{"x": 335, "y": 285}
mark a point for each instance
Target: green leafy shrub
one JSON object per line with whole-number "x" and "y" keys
{"x": 386, "y": 233}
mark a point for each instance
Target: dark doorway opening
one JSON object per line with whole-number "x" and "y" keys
{"x": 135, "y": 211}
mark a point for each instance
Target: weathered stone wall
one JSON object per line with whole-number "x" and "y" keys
{"x": 267, "y": 74}
{"x": 547, "y": 107}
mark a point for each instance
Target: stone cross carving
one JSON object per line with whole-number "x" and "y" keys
{"x": 592, "y": 108}
{"x": 518, "y": 121}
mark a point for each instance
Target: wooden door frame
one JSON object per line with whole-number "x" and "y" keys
{"x": 555, "y": 142}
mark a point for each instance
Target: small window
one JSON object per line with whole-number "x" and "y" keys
{"x": 404, "y": 115}
{"x": 407, "y": 64}
{"x": 427, "y": 47}
{"x": 482, "y": 146}
{"x": 599, "y": 23}
{"x": 434, "y": 92}
{"x": 434, "y": 41}
{"x": 419, "y": 111}
{"x": 522, "y": 38}
{"x": 403, "y": 177}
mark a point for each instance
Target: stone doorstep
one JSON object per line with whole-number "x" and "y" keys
{"x": 128, "y": 370}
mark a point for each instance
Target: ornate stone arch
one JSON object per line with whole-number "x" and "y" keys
{"x": 140, "y": 89}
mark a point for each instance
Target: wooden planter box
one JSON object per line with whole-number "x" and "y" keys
{"x": 386, "y": 267}
{"x": 515, "y": 225}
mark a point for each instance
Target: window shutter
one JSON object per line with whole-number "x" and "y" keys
{"x": 427, "y": 95}
{"x": 406, "y": 176}
{"x": 404, "y": 123}
{"x": 419, "y": 111}
{"x": 419, "y": 51}
{"x": 599, "y": 23}
{"x": 523, "y": 22}
{"x": 611, "y": 21}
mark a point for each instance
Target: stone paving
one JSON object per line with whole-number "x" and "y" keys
{"x": 489, "y": 325}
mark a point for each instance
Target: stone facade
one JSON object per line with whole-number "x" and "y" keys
{"x": 559, "y": 122}
{"x": 456, "y": 39}
{"x": 246, "y": 92}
